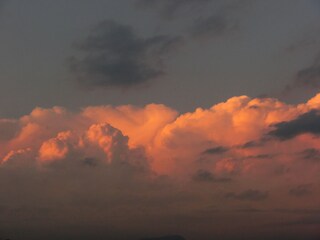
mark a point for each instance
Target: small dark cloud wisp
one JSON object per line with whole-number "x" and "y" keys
{"x": 221, "y": 22}
{"x": 252, "y": 144}
{"x": 306, "y": 123}
{"x": 311, "y": 154}
{"x": 206, "y": 176}
{"x": 209, "y": 27}
{"x": 113, "y": 55}
{"x": 215, "y": 150}
{"x": 301, "y": 190}
{"x": 306, "y": 79}
{"x": 248, "y": 195}
{"x": 218, "y": 22}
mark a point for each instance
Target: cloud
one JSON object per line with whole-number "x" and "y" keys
{"x": 310, "y": 154}
{"x": 308, "y": 40}
{"x": 307, "y": 78}
{"x": 229, "y": 132}
{"x": 252, "y": 144}
{"x": 261, "y": 156}
{"x": 206, "y": 176}
{"x": 249, "y": 195}
{"x": 222, "y": 18}
{"x": 305, "y": 123}
{"x": 221, "y": 22}
{"x": 114, "y": 172}
{"x": 210, "y": 27}
{"x": 301, "y": 190}
{"x": 113, "y": 55}
{"x": 215, "y": 150}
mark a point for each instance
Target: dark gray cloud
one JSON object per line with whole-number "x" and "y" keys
{"x": 306, "y": 78}
{"x": 252, "y": 144}
{"x": 207, "y": 176}
{"x": 91, "y": 162}
{"x": 215, "y": 150}
{"x": 114, "y": 56}
{"x": 261, "y": 156}
{"x": 306, "y": 123}
{"x": 212, "y": 26}
{"x": 311, "y": 154}
{"x": 205, "y": 24}
{"x": 308, "y": 40}
{"x": 248, "y": 195}
{"x": 221, "y": 22}
{"x": 301, "y": 190}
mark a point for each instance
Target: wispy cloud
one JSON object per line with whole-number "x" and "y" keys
{"x": 249, "y": 195}
{"x": 307, "y": 78}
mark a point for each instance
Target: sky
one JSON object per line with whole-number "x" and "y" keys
{"x": 160, "y": 119}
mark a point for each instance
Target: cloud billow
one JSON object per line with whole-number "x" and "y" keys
{"x": 114, "y": 56}
{"x": 106, "y": 170}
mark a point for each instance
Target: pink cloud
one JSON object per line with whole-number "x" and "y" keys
{"x": 139, "y": 158}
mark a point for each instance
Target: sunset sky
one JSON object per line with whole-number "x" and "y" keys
{"x": 134, "y": 119}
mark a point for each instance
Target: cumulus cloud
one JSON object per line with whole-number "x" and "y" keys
{"x": 113, "y": 55}
{"x": 229, "y": 132}
{"x": 107, "y": 170}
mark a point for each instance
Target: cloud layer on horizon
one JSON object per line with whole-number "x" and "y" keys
{"x": 129, "y": 167}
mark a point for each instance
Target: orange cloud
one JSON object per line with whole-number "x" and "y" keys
{"x": 152, "y": 160}
{"x": 173, "y": 143}
{"x": 55, "y": 148}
